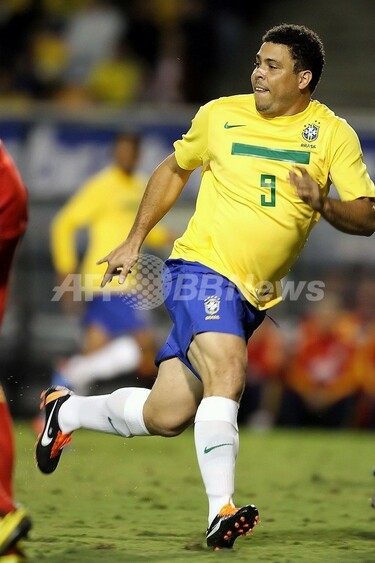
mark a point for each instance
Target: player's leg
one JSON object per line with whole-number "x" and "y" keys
{"x": 15, "y": 522}
{"x": 212, "y": 324}
{"x": 6, "y": 457}
{"x": 166, "y": 410}
{"x": 221, "y": 360}
{"x": 174, "y": 399}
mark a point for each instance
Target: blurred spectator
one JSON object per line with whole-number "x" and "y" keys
{"x": 116, "y": 80}
{"x": 105, "y": 205}
{"x": 321, "y": 385}
{"x": 166, "y": 83}
{"x": 50, "y": 49}
{"x": 91, "y": 35}
{"x": 49, "y": 56}
{"x": 363, "y": 293}
{"x": 364, "y": 307}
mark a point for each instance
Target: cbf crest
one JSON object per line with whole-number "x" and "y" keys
{"x": 212, "y": 307}
{"x": 310, "y": 132}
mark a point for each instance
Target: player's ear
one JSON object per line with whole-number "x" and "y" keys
{"x": 305, "y": 77}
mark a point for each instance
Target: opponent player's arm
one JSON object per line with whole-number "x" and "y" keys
{"x": 162, "y": 191}
{"x": 355, "y": 217}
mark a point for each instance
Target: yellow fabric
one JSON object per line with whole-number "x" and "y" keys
{"x": 249, "y": 223}
{"x": 115, "y": 82}
{"x": 106, "y": 206}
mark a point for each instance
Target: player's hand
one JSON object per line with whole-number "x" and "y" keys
{"x": 119, "y": 263}
{"x": 307, "y": 189}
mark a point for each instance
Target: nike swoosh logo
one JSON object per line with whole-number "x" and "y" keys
{"x": 208, "y": 450}
{"x": 214, "y": 529}
{"x": 46, "y": 439}
{"x": 114, "y": 427}
{"x": 227, "y": 126}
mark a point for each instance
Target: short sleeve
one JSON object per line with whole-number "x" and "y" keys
{"x": 348, "y": 171}
{"x": 191, "y": 150}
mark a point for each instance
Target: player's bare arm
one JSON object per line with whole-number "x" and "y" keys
{"x": 356, "y": 217}
{"x": 162, "y": 191}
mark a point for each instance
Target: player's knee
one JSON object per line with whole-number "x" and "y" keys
{"x": 227, "y": 380}
{"x": 166, "y": 424}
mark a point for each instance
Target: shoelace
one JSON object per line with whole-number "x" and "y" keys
{"x": 228, "y": 510}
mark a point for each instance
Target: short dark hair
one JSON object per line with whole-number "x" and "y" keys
{"x": 305, "y": 46}
{"x": 133, "y": 137}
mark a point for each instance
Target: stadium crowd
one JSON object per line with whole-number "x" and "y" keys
{"x": 321, "y": 370}
{"x": 172, "y": 51}
{"x": 144, "y": 50}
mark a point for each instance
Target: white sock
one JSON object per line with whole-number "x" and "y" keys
{"x": 126, "y": 405}
{"x": 119, "y": 413}
{"x": 216, "y": 442}
{"x": 85, "y": 412}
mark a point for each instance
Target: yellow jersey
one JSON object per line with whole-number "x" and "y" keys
{"x": 249, "y": 224}
{"x": 106, "y": 205}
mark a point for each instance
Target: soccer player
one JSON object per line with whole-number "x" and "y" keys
{"x": 268, "y": 160}
{"x": 117, "y": 337}
{"x": 15, "y": 522}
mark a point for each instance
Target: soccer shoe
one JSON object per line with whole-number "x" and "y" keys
{"x": 229, "y": 524}
{"x": 13, "y": 526}
{"x": 52, "y": 440}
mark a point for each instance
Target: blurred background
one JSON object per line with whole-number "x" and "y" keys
{"x": 73, "y": 74}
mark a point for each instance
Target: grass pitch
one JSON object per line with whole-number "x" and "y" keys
{"x": 141, "y": 500}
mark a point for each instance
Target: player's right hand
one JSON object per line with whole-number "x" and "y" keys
{"x": 119, "y": 263}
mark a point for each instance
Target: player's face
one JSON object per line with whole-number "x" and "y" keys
{"x": 126, "y": 155}
{"x": 277, "y": 88}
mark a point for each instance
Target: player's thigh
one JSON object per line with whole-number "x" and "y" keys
{"x": 221, "y": 361}
{"x": 174, "y": 399}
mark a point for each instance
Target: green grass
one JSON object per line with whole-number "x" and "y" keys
{"x": 142, "y": 500}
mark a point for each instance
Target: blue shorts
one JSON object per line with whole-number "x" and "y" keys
{"x": 199, "y": 300}
{"x": 115, "y": 316}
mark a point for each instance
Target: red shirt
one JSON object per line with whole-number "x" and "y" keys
{"x": 13, "y": 198}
